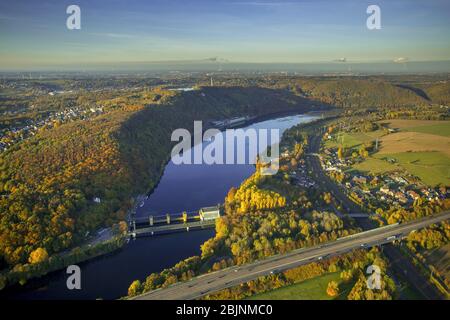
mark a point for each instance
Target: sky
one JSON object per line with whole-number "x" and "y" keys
{"x": 34, "y": 33}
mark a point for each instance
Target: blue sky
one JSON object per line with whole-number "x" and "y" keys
{"x": 34, "y": 33}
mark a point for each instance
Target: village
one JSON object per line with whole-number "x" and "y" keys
{"x": 396, "y": 188}
{"x": 12, "y": 135}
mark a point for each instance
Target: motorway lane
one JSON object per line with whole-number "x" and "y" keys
{"x": 211, "y": 282}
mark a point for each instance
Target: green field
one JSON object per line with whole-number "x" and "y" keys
{"x": 375, "y": 166}
{"x": 353, "y": 140}
{"x": 315, "y": 289}
{"x": 312, "y": 289}
{"x": 442, "y": 129}
{"x": 432, "y": 168}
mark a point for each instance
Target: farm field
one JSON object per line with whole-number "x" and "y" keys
{"x": 437, "y": 129}
{"x": 414, "y": 142}
{"x": 421, "y": 147}
{"x": 312, "y": 289}
{"x": 432, "y": 168}
{"x": 440, "y": 128}
{"x": 376, "y": 166}
{"x": 315, "y": 289}
{"x": 353, "y": 140}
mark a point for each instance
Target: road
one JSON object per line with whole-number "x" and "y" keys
{"x": 211, "y": 282}
{"x": 401, "y": 265}
{"x": 324, "y": 181}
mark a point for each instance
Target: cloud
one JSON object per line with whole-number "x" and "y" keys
{"x": 262, "y": 3}
{"x": 401, "y": 60}
{"x": 113, "y": 35}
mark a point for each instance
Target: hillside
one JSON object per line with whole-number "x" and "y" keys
{"x": 49, "y": 182}
{"x": 358, "y": 93}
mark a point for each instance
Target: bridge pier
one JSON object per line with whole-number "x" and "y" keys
{"x": 168, "y": 218}
{"x": 150, "y": 220}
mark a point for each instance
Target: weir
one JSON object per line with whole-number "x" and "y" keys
{"x": 163, "y": 224}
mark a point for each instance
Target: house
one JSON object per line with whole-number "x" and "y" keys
{"x": 359, "y": 180}
{"x": 413, "y": 194}
{"x": 400, "y": 180}
{"x": 209, "y": 213}
{"x": 385, "y": 190}
{"x": 401, "y": 197}
{"x": 333, "y": 169}
{"x": 285, "y": 154}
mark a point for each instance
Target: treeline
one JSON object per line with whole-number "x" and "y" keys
{"x": 43, "y": 264}
{"x": 421, "y": 208}
{"x": 352, "y": 267}
{"x": 370, "y": 92}
{"x": 357, "y": 93}
{"x": 432, "y": 237}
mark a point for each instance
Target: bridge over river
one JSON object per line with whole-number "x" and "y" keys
{"x": 183, "y": 221}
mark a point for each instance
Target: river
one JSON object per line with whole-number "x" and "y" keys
{"x": 182, "y": 187}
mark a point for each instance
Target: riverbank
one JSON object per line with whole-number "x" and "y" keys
{"x": 21, "y": 275}
{"x": 253, "y": 120}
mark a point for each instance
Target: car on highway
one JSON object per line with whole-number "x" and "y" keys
{"x": 275, "y": 271}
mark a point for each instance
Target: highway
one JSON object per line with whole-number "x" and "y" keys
{"x": 211, "y": 282}
{"x": 324, "y": 181}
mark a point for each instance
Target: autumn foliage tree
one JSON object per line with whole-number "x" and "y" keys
{"x": 135, "y": 288}
{"x": 38, "y": 255}
{"x": 332, "y": 289}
